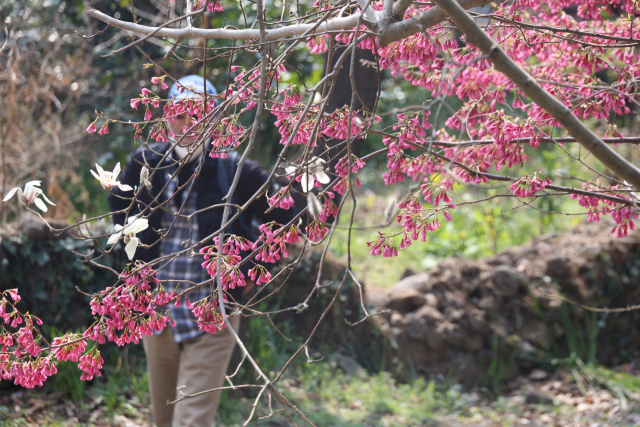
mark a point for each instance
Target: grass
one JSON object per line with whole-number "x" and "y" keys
{"x": 329, "y": 397}
{"x": 321, "y": 391}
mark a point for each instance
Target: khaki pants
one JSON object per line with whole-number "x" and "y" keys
{"x": 198, "y": 364}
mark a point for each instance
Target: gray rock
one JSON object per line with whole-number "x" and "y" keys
{"x": 508, "y": 281}
{"x": 477, "y": 320}
{"x": 559, "y": 268}
{"x": 431, "y": 299}
{"x": 420, "y": 282}
{"x": 451, "y": 334}
{"x": 396, "y": 319}
{"x": 429, "y": 314}
{"x": 455, "y": 299}
{"x": 408, "y": 272}
{"x": 348, "y": 364}
{"x": 537, "y": 398}
{"x": 434, "y": 339}
{"x": 472, "y": 342}
{"x": 35, "y": 230}
{"x": 415, "y": 328}
{"x": 405, "y": 300}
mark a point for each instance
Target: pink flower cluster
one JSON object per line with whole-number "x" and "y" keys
{"x": 338, "y": 125}
{"x": 90, "y": 365}
{"x": 25, "y": 372}
{"x": 623, "y": 215}
{"x": 12, "y": 317}
{"x": 282, "y": 199}
{"x": 230, "y": 274}
{"x": 529, "y": 186}
{"x": 160, "y": 81}
{"x": 384, "y": 246}
{"x": 29, "y": 374}
{"x": 329, "y": 208}
{"x": 342, "y": 167}
{"x": 130, "y": 307}
{"x": 212, "y": 6}
{"x": 434, "y": 193}
{"x": 264, "y": 275}
{"x": 415, "y": 223}
{"x": 68, "y": 347}
{"x": 25, "y": 338}
{"x": 317, "y": 44}
{"x": 273, "y": 242}
{"x": 233, "y": 244}
{"x": 316, "y": 231}
{"x": 208, "y": 314}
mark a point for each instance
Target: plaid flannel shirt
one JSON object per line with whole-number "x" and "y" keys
{"x": 184, "y": 267}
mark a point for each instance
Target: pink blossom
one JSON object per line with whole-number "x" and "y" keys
{"x": 105, "y": 128}
{"x": 90, "y": 364}
{"x": 265, "y": 276}
{"x": 208, "y": 315}
{"x": 92, "y": 127}
{"x": 528, "y": 187}
{"x": 282, "y": 199}
{"x": 13, "y": 293}
{"x": 68, "y": 351}
{"x": 316, "y": 231}
{"x": 33, "y": 373}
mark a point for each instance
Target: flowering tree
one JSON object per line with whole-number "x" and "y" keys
{"x": 526, "y": 72}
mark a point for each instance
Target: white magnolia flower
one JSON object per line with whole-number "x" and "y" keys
{"x": 314, "y": 169}
{"x": 108, "y": 179}
{"x": 144, "y": 178}
{"x": 313, "y": 205}
{"x": 30, "y": 194}
{"x": 134, "y": 225}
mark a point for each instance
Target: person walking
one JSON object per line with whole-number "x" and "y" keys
{"x": 183, "y": 356}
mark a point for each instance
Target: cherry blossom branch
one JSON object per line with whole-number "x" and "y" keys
{"x": 551, "y": 104}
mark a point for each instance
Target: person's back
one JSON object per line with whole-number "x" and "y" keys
{"x": 186, "y": 205}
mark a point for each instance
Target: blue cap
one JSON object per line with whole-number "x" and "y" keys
{"x": 194, "y": 84}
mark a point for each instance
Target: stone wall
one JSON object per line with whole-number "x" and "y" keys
{"x": 498, "y": 316}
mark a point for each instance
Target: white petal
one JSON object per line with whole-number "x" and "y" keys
{"x": 116, "y": 171}
{"x": 131, "y": 219}
{"x": 323, "y": 178}
{"x": 290, "y": 170}
{"x": 99, "y": 169}
{"x": 40, "y": 204}
{"x": 119, "y": 227}
{"x": 131, "y": 247}
{"x": 114, "y": 237}
{"x": 314, "y": 205}
{"x": 31, "y": 190}
{"x": 306, "y": 182}
{"x": 11, "y": 193}
{"x": 96, "y": 175}
{"x": 140, "y": 225}
{"x": 47, "y": 200}
{"x": 124, "y": 187}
